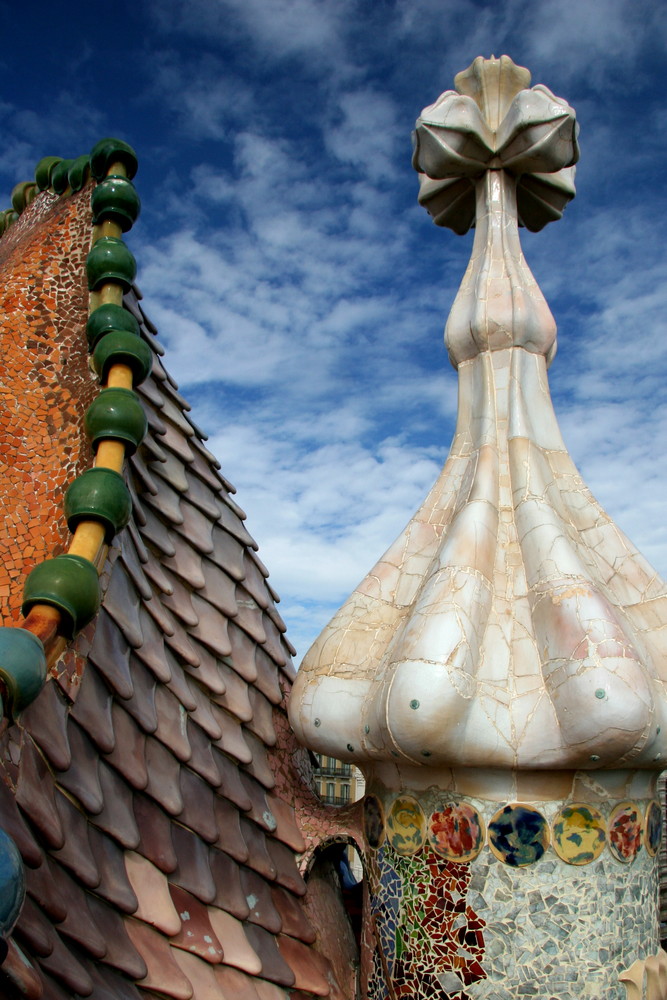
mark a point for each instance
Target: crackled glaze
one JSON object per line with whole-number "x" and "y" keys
{"x": 511, "y": 623}
{"x": 505, "y": 658}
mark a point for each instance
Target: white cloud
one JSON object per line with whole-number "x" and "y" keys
{"x": 302, "y": 294}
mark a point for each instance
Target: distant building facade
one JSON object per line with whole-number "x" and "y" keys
{"x": 337, "y": 783}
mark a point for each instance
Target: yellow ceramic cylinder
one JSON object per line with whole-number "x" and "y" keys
{"x": 110, "y": 455}
{"x": 87, "y": 540}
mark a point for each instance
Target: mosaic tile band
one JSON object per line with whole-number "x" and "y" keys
{"x": 514, "y": 920}
{"x": 517, "y": 834}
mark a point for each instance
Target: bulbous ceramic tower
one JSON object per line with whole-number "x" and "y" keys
{"x": 499, "y": 676}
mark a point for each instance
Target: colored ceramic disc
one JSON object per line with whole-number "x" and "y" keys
{"x": 578, "y": 833}
{"x": 653, "y": 828}
{"x": 406, "y": 825}
{"x": 456, "y": 831}
{"x": 373, "y": 821}
{"x": 518, "y": 835}
{"x": 625, "y": 831}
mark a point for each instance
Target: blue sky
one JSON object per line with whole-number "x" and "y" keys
{"x": 299, "y": 289}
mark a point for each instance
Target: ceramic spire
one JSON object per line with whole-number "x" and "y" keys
{"x": 499, "y": 675}
{"x": 511, "y": 623}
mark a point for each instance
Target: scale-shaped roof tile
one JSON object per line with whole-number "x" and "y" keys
{"x": 139, "y": 786}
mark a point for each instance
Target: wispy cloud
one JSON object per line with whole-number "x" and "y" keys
{"x": 302, "y": 295}
{"x": 300, "y": 290}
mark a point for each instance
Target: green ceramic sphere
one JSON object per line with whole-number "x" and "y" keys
{"x": 22, "y": 666}
{"x": 110, "y": 260}
{"x": 117, "y": 415}
{"x": 44, "y": 170}
{"x": 98, "y": 495}
{"x": 59, "y": 178}
{"x": 122, "y": 348}
{"x": 106, "y": 318}
{"x": 68, "y": 583}
{"x": 106, "y": 152}
{"x": 7, "y": 219}
{"x": 12, "y": 884}
{"x": 22, "y": 194}
{"x": 115, "y": 199}
{"x": 77, "y": 175}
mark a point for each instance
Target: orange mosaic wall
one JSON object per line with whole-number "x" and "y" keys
{"x": 45, "y": 382}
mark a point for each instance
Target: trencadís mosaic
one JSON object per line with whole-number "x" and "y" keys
{"x": 517, "y": 834}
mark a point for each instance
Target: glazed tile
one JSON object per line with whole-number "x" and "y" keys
{"x": 152, "y": 891}
{"x": 198, "y": 812}
{"x": 114, "y": 886}
{"x": 110, "y": 653}
{"x": 154, "y": 827}
{"x": 128, "y": 755}
{"x": 294, "y": 921}
{"x": 163, "y": 777}
{"x": 193, "y": 872}
{"x": 76, "y": 853}
{"x": 238, "y": 950}
{"x": 163, "y": 973}
{"x": 120, "y": 952}
{"x": 196, "y": 934}
{"x": 92, "y": 710}
{"x": 309, "y": 970}
{"x": 117, "y": 817}
{"x": 35, "y": 795}
{"x": 46, "y": 720}
{"x": 199, "y": 973}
